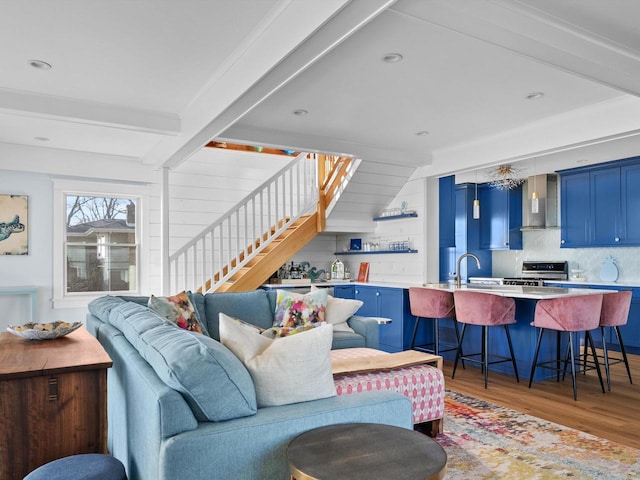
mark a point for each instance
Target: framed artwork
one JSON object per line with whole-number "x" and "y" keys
{"x": 14, "y": 237}
{"x": 363, "y": 273}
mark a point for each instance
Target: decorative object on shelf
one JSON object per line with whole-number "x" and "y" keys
{"x": 337, "y": 270}
{"x": 355, "y": 244}
{"x": 14, "y": 238}
{"x": 363, "y": 272}
{"x": 609, "y": 270}
{"x": 397, "y": 212}
{"x": 43, "y": 331}
{"x": 506, "y": 177}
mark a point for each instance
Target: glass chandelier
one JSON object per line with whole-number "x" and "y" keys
{"x": 505, "y": 177}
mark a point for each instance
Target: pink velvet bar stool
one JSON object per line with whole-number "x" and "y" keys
{"x": 579, "y": 313}
{"x": 429, "y": 303}
{"x": 614, "y": 314}
{"x": 485, "y": 310}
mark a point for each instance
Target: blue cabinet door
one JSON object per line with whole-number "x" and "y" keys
{"x": 575, "y": 210}
{"x": 390, "y": 305}
{"x": 369, "y": 297}
{"x": 344, "y": 291}
{"x": 447, "y": 211}
{"x": 605, "y": 229}
{"x": 500, "y": 218}
{"x": 630, "y": 205}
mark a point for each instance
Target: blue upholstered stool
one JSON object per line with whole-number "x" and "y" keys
{"x": 89, "y": 466}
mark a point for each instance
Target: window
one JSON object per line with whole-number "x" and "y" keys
{"x": 100, "y": 246}
{"x": 97, "y": 231}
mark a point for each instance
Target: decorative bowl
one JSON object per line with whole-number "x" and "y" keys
{"x": 43, "y": 331}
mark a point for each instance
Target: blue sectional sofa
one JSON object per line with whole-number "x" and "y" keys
{"x": 182, "y": 406}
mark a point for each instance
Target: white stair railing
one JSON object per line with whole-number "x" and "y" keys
{"x": 225, "y": 246}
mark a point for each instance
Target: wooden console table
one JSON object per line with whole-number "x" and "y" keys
{"x": 53, "y": 400}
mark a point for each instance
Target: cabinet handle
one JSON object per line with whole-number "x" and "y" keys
{"x": 357, "y": 292}
{"x": 617, "y": 239}
{"x": 561, "y": 241}
{"x": 377, "y": 294}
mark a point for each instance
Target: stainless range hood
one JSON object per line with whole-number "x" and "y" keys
{"x": 546, "y": 186}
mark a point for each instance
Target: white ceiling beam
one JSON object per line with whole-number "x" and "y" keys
{"x": 331, "y": 31}
{"x": 69, "y": 163}
{"x": 93, "y": 113}
{"x": 542, "y": 37}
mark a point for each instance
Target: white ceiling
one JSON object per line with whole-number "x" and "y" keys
{"x": 147, "y": 83}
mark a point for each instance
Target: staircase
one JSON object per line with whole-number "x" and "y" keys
{"x": 242, "y": 249}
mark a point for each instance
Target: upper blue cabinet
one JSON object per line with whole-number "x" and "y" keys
{"x": 599, "y": 205}
{"x": 500, "y": 218}
{"x": 447, "y": 211}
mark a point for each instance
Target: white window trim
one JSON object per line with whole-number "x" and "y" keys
{"x": 74, "y": 187}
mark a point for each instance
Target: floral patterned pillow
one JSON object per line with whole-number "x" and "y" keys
{"x": 177, "y": 309}
{"x": 296, "y": 312}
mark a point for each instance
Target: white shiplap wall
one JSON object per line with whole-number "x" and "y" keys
{"x": 202, "y": 189}
{"x": 390, "y": 268}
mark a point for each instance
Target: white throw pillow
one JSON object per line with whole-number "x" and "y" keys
{"x": 339, "y": 310}
{"x": 291, "y": 369}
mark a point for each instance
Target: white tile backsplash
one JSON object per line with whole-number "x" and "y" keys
{"x": 545, "y": 245}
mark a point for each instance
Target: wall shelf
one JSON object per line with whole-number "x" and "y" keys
{"x": 395, "y": 217}
{"x": 375, "y": 252}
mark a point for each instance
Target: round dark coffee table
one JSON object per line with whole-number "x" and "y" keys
{"x": 367, "y": 451}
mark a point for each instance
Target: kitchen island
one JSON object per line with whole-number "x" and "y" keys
{"x": 523, "y": 335}
{"x": 391, "y": 300}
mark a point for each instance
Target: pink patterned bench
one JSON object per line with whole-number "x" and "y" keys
{"x": 423, "y": 384}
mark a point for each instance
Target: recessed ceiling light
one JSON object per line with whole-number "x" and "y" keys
{"x": 422, "y": 133}
{"x": 300, "y": 112}
{"x": 534, "y": 95}
{"x": 42, "y": 139}
{"x": 39, "y": 64}
{"x": 392, "y": 58}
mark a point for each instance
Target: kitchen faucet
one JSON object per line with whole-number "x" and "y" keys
{"x": 458, "y": 281}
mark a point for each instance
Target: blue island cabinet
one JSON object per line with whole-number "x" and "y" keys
{"x": 386, "y": 302}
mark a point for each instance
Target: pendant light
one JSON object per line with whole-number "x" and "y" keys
{"x": 476, "y": 202}
{"x": 535, "y": 204}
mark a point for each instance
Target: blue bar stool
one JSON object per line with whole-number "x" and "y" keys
{"x": 88, "y": 466}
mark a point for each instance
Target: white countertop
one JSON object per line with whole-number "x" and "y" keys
{"x": 595, "y": 282}
{"x": 516, "y": 291}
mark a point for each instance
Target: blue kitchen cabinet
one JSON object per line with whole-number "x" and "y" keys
{"x": 630, "y": 204}
{"x": 605, "y": 228}
{"x": 447, "y": 211}
{"x": 599, "y": 205}
{"x": 468, "y": 235}
{"x": 344, "y": 291}
{"x": 500, "y": 218}
{"x": 574, "y": 210}
{"x": 393, "y": 303}
{"x": 466, "y": 238}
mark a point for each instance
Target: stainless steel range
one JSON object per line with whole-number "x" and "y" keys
{"x": 534, "y": 274}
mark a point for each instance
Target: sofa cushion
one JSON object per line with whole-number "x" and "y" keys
{"x": 178, "y": 309}
{"x": 292, "y": 369}
{"x": 102, "y": 306}
{"x": 212, "y": 380}
{"x": 339, "y": 310}
{"x": 251, "y": 307}
{"x": 296, "y": 312}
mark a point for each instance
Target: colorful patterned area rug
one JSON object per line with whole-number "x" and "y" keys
{"x": 486, "y": 441}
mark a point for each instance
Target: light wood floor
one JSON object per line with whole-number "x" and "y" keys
{"x": 614, "y": 415}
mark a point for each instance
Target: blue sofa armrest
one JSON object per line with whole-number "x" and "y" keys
{"x": 367, "y": 327}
